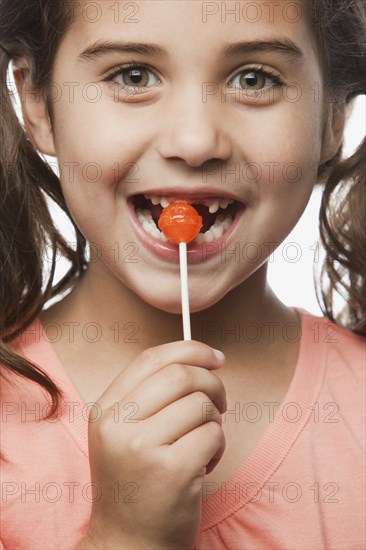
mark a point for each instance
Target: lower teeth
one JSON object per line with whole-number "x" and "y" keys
{"x": 217, "y": 230}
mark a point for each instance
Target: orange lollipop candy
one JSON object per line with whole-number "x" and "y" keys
{"x": 180, "y": 222}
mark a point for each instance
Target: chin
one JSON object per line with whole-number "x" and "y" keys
{"x": 165, "y": 303}
{"x": 174, "y": 306}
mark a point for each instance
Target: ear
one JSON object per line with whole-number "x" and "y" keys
{"x": 36, "y": 119}
{"x": 333, "y": 131}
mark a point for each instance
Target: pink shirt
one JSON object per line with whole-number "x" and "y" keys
{"x": 302, "y": 487}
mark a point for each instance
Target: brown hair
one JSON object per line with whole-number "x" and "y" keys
{"x": 340, "y": 34}
{"x": 34, "y": 28}
{"x": 25, "y": 180}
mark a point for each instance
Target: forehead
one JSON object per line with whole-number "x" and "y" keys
{"x": 188, "y": 26}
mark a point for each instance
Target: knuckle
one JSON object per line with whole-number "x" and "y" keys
{"x": 217, "y": 383}
{"x": 200, "y": 397}
{"x": 136, "y": 445}
{"x": 100, "y": 431}
{"x": 222, "y": 391}
{"x": 199, "y": 347}
{"x": 215, "y": 429}
{"x": 150, "y": 356}
{"x": 170, "y": 467}
{"x": 222, "y": 388}
{"x": 179, "y": 373}
{"x": 211, "y": 414}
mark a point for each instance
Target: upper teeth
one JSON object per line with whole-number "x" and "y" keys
{"x": 217, "y": 229}
{"x": 213, "y": 204}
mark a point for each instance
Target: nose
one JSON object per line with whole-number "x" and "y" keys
{"x": 193, "y": 131}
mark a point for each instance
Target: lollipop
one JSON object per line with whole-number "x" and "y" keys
{"x": 180, "y": 223}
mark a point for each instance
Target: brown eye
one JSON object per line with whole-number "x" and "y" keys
{"x": 135, "y": 77}
{"x": 253, "y": 80}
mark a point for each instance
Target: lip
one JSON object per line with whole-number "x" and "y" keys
{"x": 196, "y": 253}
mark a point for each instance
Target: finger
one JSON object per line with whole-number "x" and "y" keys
{"x": 179, "y": 418}
{"x": 170, "y": 384}
{"x": 151, "y": 360}
{"x": 200, "y": 449}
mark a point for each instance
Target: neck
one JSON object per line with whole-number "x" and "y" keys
{"x": 249, "y": 313}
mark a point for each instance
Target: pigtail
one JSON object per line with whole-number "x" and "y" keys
{"x": 340, "y": 32}
{"x": 342, "y": 230}
{"x": 26, "y": 226}
{"x": 17, "y": 269}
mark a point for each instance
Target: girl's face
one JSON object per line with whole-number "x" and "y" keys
{"x": 219, "y": 105}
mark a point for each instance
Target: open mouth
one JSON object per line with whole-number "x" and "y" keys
{"x": 217, "y": 214}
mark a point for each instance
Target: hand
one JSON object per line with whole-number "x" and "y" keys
{"x": 157, "y": 456}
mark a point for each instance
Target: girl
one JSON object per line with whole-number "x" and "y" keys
{"x": 115, "y": 432}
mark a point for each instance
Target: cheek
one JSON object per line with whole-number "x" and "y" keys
{"x": 97, "y": 157}
{"x": 280, "y": 162}
{"x": 287, "y": 151}
{"x": 287, "y": 134}
{"x": 103, "y": 130}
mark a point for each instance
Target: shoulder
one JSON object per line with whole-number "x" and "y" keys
{"x": 338, "y": 357}
{"x": 342, "y": 350}
{"x": 30, "y": 349}
{"x": 320, "y": 330}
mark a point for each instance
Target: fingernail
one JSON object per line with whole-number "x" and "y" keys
{"x": 219, "y": 355}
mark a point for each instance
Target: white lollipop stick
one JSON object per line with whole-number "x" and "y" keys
{"x": 184, "y": 291}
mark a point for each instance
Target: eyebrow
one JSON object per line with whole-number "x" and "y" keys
{"x": 285, "y": 47}
{"x": 100, "y": 48}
